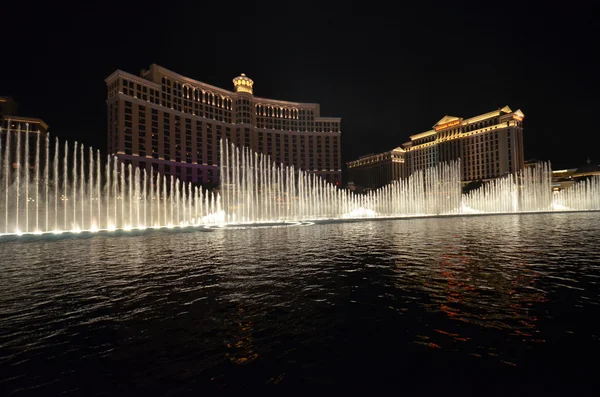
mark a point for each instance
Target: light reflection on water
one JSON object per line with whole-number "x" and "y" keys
{"x": 386, "y": 300}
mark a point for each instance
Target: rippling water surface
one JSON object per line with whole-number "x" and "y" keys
{"x": 421, "y": 302}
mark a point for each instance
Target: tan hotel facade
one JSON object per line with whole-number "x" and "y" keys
{"x": 171, "y": 124}
{"x": 489, "y": 146}
{"x": 375, "y": 170}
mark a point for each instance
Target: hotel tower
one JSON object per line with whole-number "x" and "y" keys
{"x": 171, "y": 124}
{"x": 489, "y": 146}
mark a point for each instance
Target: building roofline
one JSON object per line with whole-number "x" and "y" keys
{"x": 223, "y": 91}
{"x": 189, "y": 80}
{"x": 364, "y": 156}
{"x": 114, "y": 74}
{"x": 470, "y": 120}
{"x": 256, "y": 98}
{"x": 422, "y": 135}
{"x": 26, "y": 119}
{"x": 131, "y": 76}
{"x": 483, "y": 116}
{"x": 312, "y": 104}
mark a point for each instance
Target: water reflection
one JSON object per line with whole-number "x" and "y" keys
{"x": 315, "y": 304}
{"x": 243, "y": 350}
{"x": 480, "y": 278}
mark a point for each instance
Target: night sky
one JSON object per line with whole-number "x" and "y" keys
{"x": 388, "y": 77}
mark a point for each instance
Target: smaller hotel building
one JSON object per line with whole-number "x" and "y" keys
{"x": 170, "y": 124}
{"x": 562, "y": 179}
{"x": 375, "y": 170}
{"x": 10, "y": 120}
{"x": 489, "y": 146}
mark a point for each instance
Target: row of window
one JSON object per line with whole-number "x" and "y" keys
{"x": 167, "y": 143}
{"x": 277, "y": 111}
{"x": 456, "y": 131}
{"x": 206, "y": 104}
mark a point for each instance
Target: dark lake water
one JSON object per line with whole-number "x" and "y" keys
{"x": 422, "y": 304}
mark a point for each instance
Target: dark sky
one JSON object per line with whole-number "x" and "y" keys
{"x": 388, "y": 76}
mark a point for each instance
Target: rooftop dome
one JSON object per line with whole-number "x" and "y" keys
{"x": 243, "y": 84}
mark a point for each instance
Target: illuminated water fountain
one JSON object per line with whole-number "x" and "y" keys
{"x": 59, "y": 188}
{"x": 51, "y": 187}
{"x": 256, "y": 190}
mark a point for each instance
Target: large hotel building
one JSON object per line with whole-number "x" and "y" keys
{"x": 489, "y": 146}
{"x": 171, "y": 124}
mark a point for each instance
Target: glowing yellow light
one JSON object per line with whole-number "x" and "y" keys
{"x": 447, "y": 125}
{"x": 243, "y": 84}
